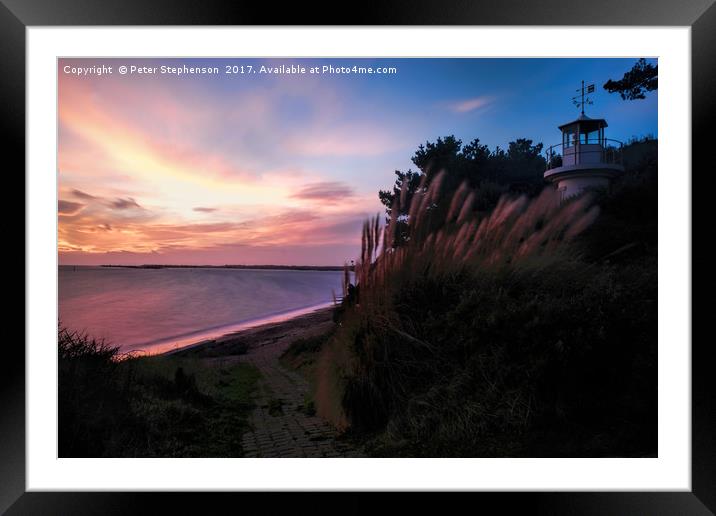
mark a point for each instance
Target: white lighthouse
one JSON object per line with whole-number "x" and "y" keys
{"x": 586, "y": 158}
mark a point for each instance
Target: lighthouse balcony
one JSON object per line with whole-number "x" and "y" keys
{"x": 602, "y": 156}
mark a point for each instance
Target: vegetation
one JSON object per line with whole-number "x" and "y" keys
{"x": 490, "y": 174}
{"x": 643, "y": 77}
{"x": 303, "y": 355}
{"x": 114, "y": 405}
{"x": 528, "y": 330}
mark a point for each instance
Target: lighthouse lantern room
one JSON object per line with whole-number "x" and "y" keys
{"x": 585, "y": 159}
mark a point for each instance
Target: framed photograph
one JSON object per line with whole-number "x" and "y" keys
{"x": 445, "y": 250}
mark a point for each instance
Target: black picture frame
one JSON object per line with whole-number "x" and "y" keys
{"x": 17, "y": 15}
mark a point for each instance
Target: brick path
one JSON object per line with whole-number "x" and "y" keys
{"x": 286, "y": 431}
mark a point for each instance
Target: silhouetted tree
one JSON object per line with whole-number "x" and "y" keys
{"x": 519, "y": 168}
{"x": 411, "y": 181}
{"x": 525, "y": 165}
{"x": 445, "y": 154}
{"x": 641, "y": 78}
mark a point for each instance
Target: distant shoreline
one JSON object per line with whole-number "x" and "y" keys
{"x": 248, "y": 267}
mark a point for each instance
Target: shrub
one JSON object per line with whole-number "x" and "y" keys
{"x": 117, "y": 405}
{"x": 93, "y": 400}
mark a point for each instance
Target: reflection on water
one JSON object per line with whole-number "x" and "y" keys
{"x": 138, "y": 308}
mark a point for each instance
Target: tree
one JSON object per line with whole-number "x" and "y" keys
{"x": 641, "y": 78}
{"x": 525, "y": 165}
{"x": 444, "y": 155}
{"x": 460, "y": 163}
{"x": 520, "y": 168}
{"x": 411, "y": 182}
{"x": 410, "y": 179}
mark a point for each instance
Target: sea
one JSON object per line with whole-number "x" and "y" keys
{"x": 157, "y": 310}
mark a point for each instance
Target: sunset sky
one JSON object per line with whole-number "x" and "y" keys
{"x": 277, "y": 169}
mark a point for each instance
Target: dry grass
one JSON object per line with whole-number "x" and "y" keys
{"x": 519, "y": 232}
{"x": 447, "y": 240}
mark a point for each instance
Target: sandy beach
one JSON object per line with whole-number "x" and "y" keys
{"x": 276, "y": 334}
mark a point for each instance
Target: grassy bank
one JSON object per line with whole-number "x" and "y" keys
{"x": 113, "y": 405}
{"x": 303, "y": 355}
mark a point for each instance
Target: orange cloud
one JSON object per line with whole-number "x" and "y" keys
{"x": 69, "y": 207}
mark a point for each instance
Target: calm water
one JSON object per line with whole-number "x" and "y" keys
{"x": 151, "y": 309}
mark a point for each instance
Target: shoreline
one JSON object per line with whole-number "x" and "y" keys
{"x": 259, "y": 333}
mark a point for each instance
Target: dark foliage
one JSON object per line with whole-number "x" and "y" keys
{"x": 642, "y": 78}
{"x": 91, "y": 397}
{"x": 492, "y": 172}
{"x": 114, "y": 405}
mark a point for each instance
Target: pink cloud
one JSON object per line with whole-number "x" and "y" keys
{"x": 331, "y": 192}
{"x": 467, "y": 105}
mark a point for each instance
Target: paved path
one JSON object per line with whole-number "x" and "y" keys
{"x": 281, "y": 426}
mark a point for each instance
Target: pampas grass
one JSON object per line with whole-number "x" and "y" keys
{"x": 457, "y": 239}
{"x": 378, "y": 354}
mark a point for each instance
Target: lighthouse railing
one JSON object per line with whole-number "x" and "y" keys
{"x": 590, "y": 151}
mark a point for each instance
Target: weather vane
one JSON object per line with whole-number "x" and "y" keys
{"x": 583, "y": 101}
